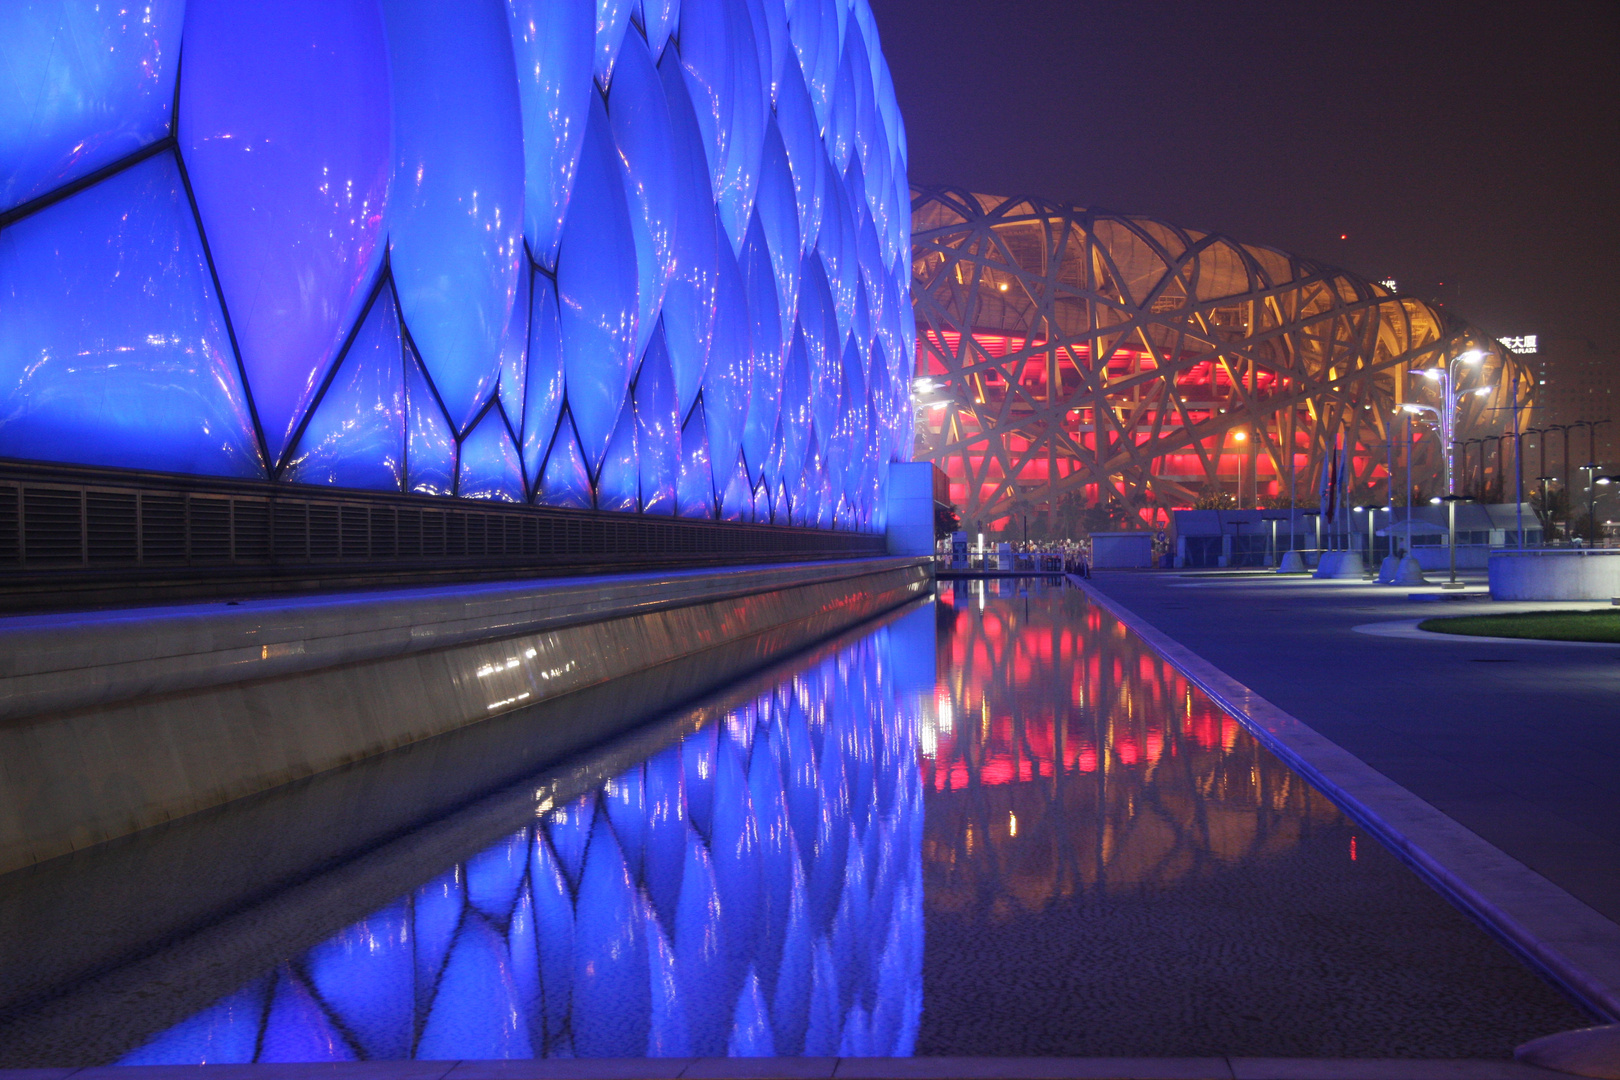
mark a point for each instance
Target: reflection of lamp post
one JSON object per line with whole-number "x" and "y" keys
{"x": 1451, "y": 502}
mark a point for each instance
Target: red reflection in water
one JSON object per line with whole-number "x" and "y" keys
{"x": 1063, "y": 752}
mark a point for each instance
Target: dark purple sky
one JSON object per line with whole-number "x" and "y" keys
{"x": 1472, "y": 144}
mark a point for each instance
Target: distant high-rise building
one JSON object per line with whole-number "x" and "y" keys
{"x": 1575, "y": 384}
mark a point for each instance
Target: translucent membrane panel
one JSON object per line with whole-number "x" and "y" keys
{"x": 750, "y": 108}
{"x": 565, "y": 481}
{"x": 770, "y": 26}
{"x": 690, "y": 301}
{"x": 81, "y": 85}
{"x": 729, "y": 381}
{"x": 801, "y": 140}
{"x": 490, "y": 468}
{"x": 596, "y": 287}
{"x": 796, "y": 411}
{"x": 777, "y": 208}
{"x": 821, "y": 340}
{"x": 612, "y": 17}
{"x": 850, "y": 449}
{"x": 765, "y": 392}
{"x": 737, "y": 499}
{"x": 809, "y": 484}
{"x": 814, "y": 32}
{"x": 705, "y": 56}
{"x": 641, "y": 133}
{"x": 658, "y": 432}
{"x": 430, "y": 461}
{"x": 554, "y": 44}
{"x": 694, "y": 493}
{"x": 456, "y": 210}
{"x": 113, "y": 350}
{"x": 837, "y": 250}
{"x": 762, "y": 503}
{"x": 515, "y": 351}
{"x": 659, "y": 18}
{"x": 618, "y": 484}
{"x": 544, "y": 395}
{"x": 285, "y": 131}
{"x": 356, "y": 436}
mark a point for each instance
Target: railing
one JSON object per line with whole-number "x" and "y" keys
{"x": 60, "y": 524}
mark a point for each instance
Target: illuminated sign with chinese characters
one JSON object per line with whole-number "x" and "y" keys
{"x": 1524, "y": 345}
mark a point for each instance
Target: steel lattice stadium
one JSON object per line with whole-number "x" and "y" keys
{"x": 1072, "y": 360}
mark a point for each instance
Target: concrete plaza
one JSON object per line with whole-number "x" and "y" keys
{"x": 1517, "y": 741}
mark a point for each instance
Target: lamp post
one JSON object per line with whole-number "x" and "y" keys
{"x": 1369, "y": 511}
{"x": 1592, "y": 511}
{"x": 1451, "y": 502}
{"x": 1447, "y": 415}
{"x": 1546, "y": 511}
{"x": 1590, "y": 469}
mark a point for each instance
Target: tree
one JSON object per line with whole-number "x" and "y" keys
{"x": 946, "y": 521}
{"x": 1215, "y": 499}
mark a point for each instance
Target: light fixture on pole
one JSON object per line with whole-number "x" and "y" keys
{"x": 1370, "y": 512}
{"x": 1451, "y": 502}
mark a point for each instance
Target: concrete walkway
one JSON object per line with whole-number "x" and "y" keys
{"x": 1519, "y": 742}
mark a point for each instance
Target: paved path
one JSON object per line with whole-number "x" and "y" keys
{"x": 1519, "y": 743}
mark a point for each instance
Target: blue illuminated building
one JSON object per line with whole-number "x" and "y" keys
{"x": 634, "y": 255}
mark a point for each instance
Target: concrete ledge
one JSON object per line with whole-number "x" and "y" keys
{"x": 943, "y": 1068}
{"x": 1573, "y": 945}
{"x": 1555, "y": 574}
{"x": 70, "y": 660}
{"x": 352, "y": 677}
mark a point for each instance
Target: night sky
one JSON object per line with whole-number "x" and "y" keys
{"x": 1474, "y": 145}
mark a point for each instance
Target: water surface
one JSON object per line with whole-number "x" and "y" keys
{"x": 998, "y": 824}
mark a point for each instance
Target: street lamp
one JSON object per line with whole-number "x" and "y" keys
{"x": 1592, "y": 481}
{"x": 1368, "y": 510}
{"x": 1592, "y": 510}
{"x": 1451, "y": 502}
{"x": 1546, "y": 511}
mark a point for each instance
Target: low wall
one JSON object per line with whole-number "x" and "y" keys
{"x": 1555, "y": 574}
{"x": 1438, "y": 556}
{"x": 111, "y": 722}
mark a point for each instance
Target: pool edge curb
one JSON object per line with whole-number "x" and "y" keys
{"x": 915, "y": 1068}
{"x": 1572, "y": 944}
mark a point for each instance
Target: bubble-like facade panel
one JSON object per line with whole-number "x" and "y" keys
{"x": 627, "y": 256}
{"x": 1090, "y": 370}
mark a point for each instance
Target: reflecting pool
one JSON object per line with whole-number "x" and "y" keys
{"x": 997, "y": 823}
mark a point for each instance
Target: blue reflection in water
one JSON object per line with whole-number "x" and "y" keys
{"x": 754, "y": 890}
